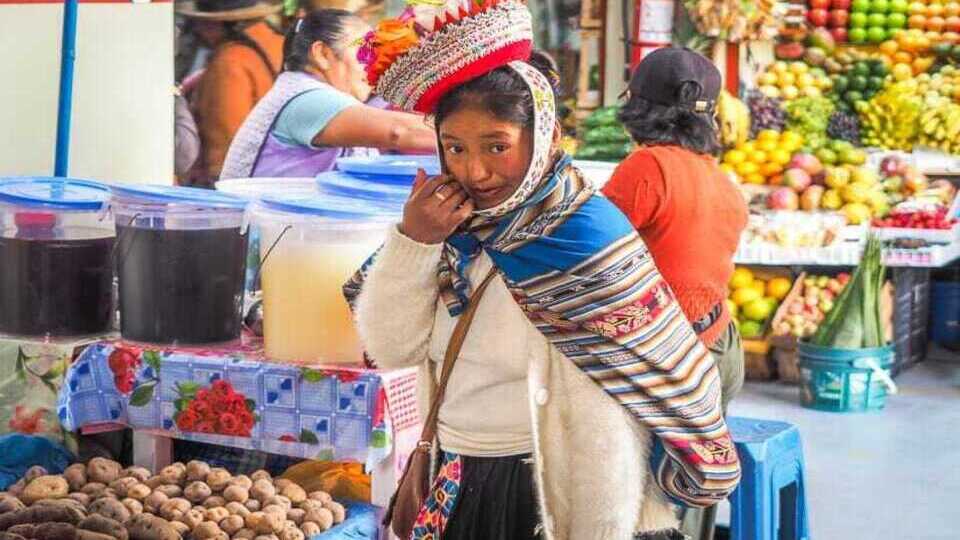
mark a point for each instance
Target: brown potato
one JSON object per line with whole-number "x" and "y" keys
{"x": 296, "y": 515}
{"x": 134, "y": 506}
{"x": 150, "y": 527}
{"x": 206, "y": 530}
{"x": 82, "y": 534}
{"x": 175, "y": 508}
{"x": 17, "y": 489}
{"x": 197, "y": 470}
{"x": 236, "y": 493}
{"x": 261, "y": 475}
{"x": 242, "y": 481}
{"x": 322, "y": 517}
{"x": 171, "y": 491}
{"x": 237, "y": 509}
{"x": 216, "y": 515}
{"x": 154, "y": 482}
{"x": 103, "y": 470}
{"x": 214, "y": 502}
{"x": 182, "y": 528}
{"x": 252, "y": 505}
{"x": 265, "y": 523}
{"x": 242, "y": 534}
{"x": 309, "y": 528}
{"x": 139, "y": 492}
{"x": 45, "y": 531}
{"x": 197, "y": 492}
{"x": 231, "y": 524}
{"x": 104, "y": 525}
{"x": 321, "y": 496}
{"x": 267, "y": 537}
{"x": 154, "y": 501}
{"x": 295, "y": 493}
{"x": 76, "y": 476}
{"x": 122, "y": 486}
{"x": 339, "y": 512}
{"x": 35, "y": 472}
{"x": 140, "y": 473}
{"x": 291, "y": 532}
{"x": 218, "y": 479}
{"x": 281, "y": 483}
{"x": 38, "y": 514}
{"x": 45, "y": 487}
{"x": 110, "y": 508}
{"x": 107, "y": 494}
{"x": 9, "y": 503}
{"x": 93, "y": 488}
{"x": 192, "y": 518}
{"x": 172, "y": 474}
{"x": 81, "y": 498}
{"x": 77, "y": 510}
{"x": 262, "y": 490}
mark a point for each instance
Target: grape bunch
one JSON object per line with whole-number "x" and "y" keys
{"x": 766, "y": 113}
{"x": 844, "y": 126}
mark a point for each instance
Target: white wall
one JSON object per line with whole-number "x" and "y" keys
{"x": 122, "y": 124}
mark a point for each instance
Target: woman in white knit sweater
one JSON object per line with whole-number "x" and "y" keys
{"x": 582, "y": 405}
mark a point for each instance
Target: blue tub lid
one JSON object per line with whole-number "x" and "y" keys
{"x": 366, "y": 187}
{"x": 179, "y": 195}
{"x": 389, "y": 165}
{"x": 54, "y": 193}
{"x": 322, "y": 206}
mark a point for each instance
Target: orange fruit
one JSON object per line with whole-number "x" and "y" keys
{"x": 889, "y": 47}
{"x": 917, "y": 8}
{"x": 778, "y": 287}
{"x": 936, "y": 23}
{"x": 922, "y": 64}
{"x": 917, "y": 21}
{"x": 934, "y": 10}
{"x": 902, "y": 57}
{"x": 770, "y": 169}
{"x": 952, "y": 9}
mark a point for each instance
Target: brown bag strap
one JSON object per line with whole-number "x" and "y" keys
{"x": 450, "y": 358}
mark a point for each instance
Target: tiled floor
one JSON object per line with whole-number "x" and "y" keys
{"x": 889, "y": 475}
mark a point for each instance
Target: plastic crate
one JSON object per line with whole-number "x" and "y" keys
{"x": 845, "y": 380}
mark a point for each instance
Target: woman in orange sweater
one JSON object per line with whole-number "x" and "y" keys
{"x": 685, "y": 208}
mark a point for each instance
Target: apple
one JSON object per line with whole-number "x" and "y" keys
{"x": 783, "y": 198}
{"x": 858, "y": 20}
{"x": 860, "y": 6}
{"x": 899, "y": 6}
{"x": 797, "y": 179}
{"x": 841, "y": 35}
{"x": 952, "y": 24}
{"x": 818, "y": 17}
{"x": 819, "y": 4}
{"x": 841, "y": 4}
{"x": 876, "y": 34}
{"x": 807, "y": 162}
{"x": 879, "y": 6}
{"x": 857, "y": 35}
{"x": 878, "y": 20}
{"x": 839, "y": 18}
{"x": 896, "y": 20}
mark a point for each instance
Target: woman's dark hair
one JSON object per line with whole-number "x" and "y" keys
{"x": 501, "y": 92}
{"x": 325, "y": 25}
{"x": 652, "y": 123}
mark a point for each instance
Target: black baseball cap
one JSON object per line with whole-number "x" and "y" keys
{"x": 662, "y": 73}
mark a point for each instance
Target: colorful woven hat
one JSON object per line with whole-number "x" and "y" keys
{"x": 436, "y": 45}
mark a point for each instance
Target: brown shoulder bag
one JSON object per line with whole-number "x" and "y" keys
{"x": 414, "y": 486}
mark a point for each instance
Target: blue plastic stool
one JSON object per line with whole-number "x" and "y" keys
{"x": 769, "y": 504}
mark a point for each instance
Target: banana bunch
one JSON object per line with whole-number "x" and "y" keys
{"x": 940, "y": 128}
{"x": 733, "y": 116}
{"x": 892, "y": 118}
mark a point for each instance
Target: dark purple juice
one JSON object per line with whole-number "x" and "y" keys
{"x": 56, "y": 287}
{"x": 181, "y": 286}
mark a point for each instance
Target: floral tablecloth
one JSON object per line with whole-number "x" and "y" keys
{"x": 232, "y": 397}
{"x": 31, "y": 374}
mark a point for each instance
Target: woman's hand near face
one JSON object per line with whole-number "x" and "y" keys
{"x": 435, "y": 209}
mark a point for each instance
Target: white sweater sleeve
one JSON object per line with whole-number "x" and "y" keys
{"x": 396, "y": 308}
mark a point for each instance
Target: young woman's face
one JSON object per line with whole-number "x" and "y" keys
{"x": 489, "y": 157}
{"x": 341, "y": 69}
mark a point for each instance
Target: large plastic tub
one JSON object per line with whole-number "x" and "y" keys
{"x": 845, "y": 380}
{"x": 56, "y": 273}
{"x": 386, "y": 193}
{"x": 309, "y": 249}
{"x": 181, "y": 255}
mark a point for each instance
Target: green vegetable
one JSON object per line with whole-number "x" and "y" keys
{"x": 606, "y": 135}
{"x": 854, "y": 322}
{"x": 606, "y": 116}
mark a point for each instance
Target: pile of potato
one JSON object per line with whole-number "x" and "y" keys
{"x": 102, "y": 501}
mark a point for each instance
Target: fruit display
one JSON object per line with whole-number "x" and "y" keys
{"x": 100, "y": 500}
{"x": 760, "y": 161}
{"x": 845, "y": 127}
{"x": 806, "y": 311}
{"x": 859, "y": 81}
{"x": 787, "y": 229}
{"x": 810, "y": 117}
{"x": 766, "y": 113}
{"x": 873, "y": 21}
{"x": 735, "y": 21}
{"x": 792, "y": 80}
{"x": 910, "y": 53}
{"x": 891, "y": 119}
{"x": 832, "y": 14}
{"x": 753, "y": 301}
{"x": 935, "y": 219}
{"x": 733, "y": 116}
{"x": 602, "y": 137}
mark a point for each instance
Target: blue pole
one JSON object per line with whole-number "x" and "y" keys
{"x": 68, "y": 54}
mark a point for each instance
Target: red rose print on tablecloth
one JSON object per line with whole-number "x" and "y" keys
{"x": 218, "y": 409}
{"x": 28, "y": 421}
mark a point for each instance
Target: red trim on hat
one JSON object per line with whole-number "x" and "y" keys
{"x": 515, "y": 51}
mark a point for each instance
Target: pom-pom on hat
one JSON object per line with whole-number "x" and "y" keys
{"x": 435, "y": 46}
